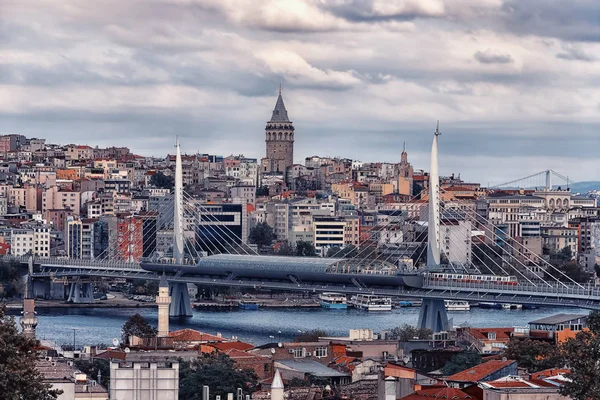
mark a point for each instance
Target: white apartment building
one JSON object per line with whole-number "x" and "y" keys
{"x": 34, "y": 241}
{"x": 335, "y": 232}
{"x": 144, "y": 380}
{"x": 455, "y": 238}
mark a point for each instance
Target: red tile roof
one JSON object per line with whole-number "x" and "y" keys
{"x": 439, "y": 393}
{"x": 547, "y": 373}
{"x": 191, "y": 335}
{"x": 501, "y": 333}
{"x": 223, "y": 346}
{"x": 480, "y": 371}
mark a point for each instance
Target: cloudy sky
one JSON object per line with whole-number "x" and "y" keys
{"x": 513, "y": 82}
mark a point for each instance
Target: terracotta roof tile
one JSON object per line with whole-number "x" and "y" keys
{"x": 443, "y": 393}
{"x": 223, "y": 346}
{"x": 191, "y": 335}
{"x": 480, "y": 371}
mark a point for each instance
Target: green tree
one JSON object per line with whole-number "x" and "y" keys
{"x": 406, "y": 332}
{"x": 137, "y": 325}
{"x": 597, "y": 269}
{"x": 461, "y": 361}
{"x": 534, "y": 355}
{"x": 162, "y": 181}
{"x": 262, "y": 191}
{"x": 305, "y": 249}
{"x": 581, "y": 355}
{"x": 312, "y": 335}
{"x": 19, "y": 379}
{"x": 286, "y": 249}
{"x": 92, "y": 367}
{"x": 570, "y": 269}
{"x": 261, "y": 234}
{"x": 218, "y": 372}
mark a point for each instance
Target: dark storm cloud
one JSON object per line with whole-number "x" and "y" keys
{"x": 367, "y": 10}
{"x": 489, "y": 57}
{"x": 574, "y": 21}
{"x": 573, "y": 53}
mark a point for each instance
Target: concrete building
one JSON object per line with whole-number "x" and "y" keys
{"x": 75, "y": 385}
{"x": 456, "y": 240}
{"x": 144, "y": 376}
{"x": 332, "y": 232}
{"x": 279, "y": 138}
{"x": 74, "y": 238}
{"x": 35, "y": 241}
{"x": 55, "y": 199}
{"x": 556, "y": 239}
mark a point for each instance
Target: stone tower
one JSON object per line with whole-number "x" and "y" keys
{"x": 279, "y": 138}
{"x": 28, "y": 321}
{"x": 163, "y": 300}
{"x": 405, "y": 174}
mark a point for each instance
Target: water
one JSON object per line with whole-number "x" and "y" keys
{"x": 101, "y": 325}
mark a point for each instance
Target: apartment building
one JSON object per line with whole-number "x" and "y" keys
{"x": 34, "y": 240}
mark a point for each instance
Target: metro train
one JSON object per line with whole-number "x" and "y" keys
{"x": 453, "y": 277}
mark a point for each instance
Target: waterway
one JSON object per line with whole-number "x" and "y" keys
{"x": 101, "y": 325}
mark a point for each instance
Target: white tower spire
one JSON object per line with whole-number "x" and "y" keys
{"x": 433, "y": 228}
{"x": 178, "y": 209}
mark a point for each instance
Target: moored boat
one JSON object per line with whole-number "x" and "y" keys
{"x": 373, "y": 303}
{"x": 332, "y": 300}
{"x": 457, "y": 305}
{"x": 248, "y": 305}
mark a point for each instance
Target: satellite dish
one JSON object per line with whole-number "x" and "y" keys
{"x": 272, "y": 351}
{"x": 127, "y": 350}
{"x": 115, "y": 342}
{"x": 279, "y": 344}
{"x": 406, "y": 359}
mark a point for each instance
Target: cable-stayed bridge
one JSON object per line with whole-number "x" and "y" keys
{"x": 220, "y": 257}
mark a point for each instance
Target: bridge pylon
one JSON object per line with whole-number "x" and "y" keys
{"x": 433, "y": 313}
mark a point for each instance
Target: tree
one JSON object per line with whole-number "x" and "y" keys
{"x": 305, "y": 249}
{"x": 581, "y": 355}
{"x": 461, "y": 361}
{"x": 162, "y": 181}
{"x": 312, "y": 335}
{"x": 570, "y": 269}
{"x": 407, "y": 332}
{"x": 218, "y": 372}
{"x": 262, "y": 191}
{"x": 137, "y": 325}
{"x": 286, "y": 249}
{"x": 92, "y": 367}
{"x": 597, "y": 269}
{"x": 19, "y": 379}
{"x": 534, "y": 355}
{"x": 261, "y": 234}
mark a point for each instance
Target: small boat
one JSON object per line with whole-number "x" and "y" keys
{"x": 457, "y": 305}
{"x": 512, "y": 306}
{"x": 405, "y": 303}
{"x": 248, "y": 305}
{"x": 332, "y": 300}
{"x": 373, "y": 303}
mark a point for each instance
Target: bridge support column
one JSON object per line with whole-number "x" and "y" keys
{"x": 433, "y": 315}
{"x": 181, "y": 306}
{"x": 81, "y": 293}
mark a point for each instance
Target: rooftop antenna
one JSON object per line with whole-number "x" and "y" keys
{"x": 279, "y": 87}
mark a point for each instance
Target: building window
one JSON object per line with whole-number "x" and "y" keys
{"x": 298, "y": 352}
{"x": 321, "y": 352}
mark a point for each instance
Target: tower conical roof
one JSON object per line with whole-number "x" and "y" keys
{"x": 163, "y": 281}
{"x": 277, "y": 381}
{"x": 279, "y": 112}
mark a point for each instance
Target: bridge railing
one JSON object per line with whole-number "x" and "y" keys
{"x": 74, "y": 262}
{"x": 550, "y": 288}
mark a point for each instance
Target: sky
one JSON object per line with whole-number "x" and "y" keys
{"x": 514, "y": 83}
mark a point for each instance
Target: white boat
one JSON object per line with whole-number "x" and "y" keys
{"x": 457, "y": 305}
{"x": 373, "y": 303}
{"x": 333, "y": 300}
{"x": 512, "y": 306}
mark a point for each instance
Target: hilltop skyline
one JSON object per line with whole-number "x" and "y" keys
{"x": 512, "y": 83}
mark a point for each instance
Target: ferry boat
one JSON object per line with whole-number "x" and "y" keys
{"x": 333, "y": 300}
{"x": 457, "y": 305}
{"x": 495, "y": 306}
{"x": 248, "y": 305}
{"x": 507, "y": 306}
{"x": 373, "y": 303}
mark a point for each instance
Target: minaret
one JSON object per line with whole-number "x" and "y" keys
{"x": 279, "y": 139}
{"x": 163, "y": 300}
{"x": 28, "y": 321}
{"x": 404, "y": 155}
{"x": 277, "y": 387}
